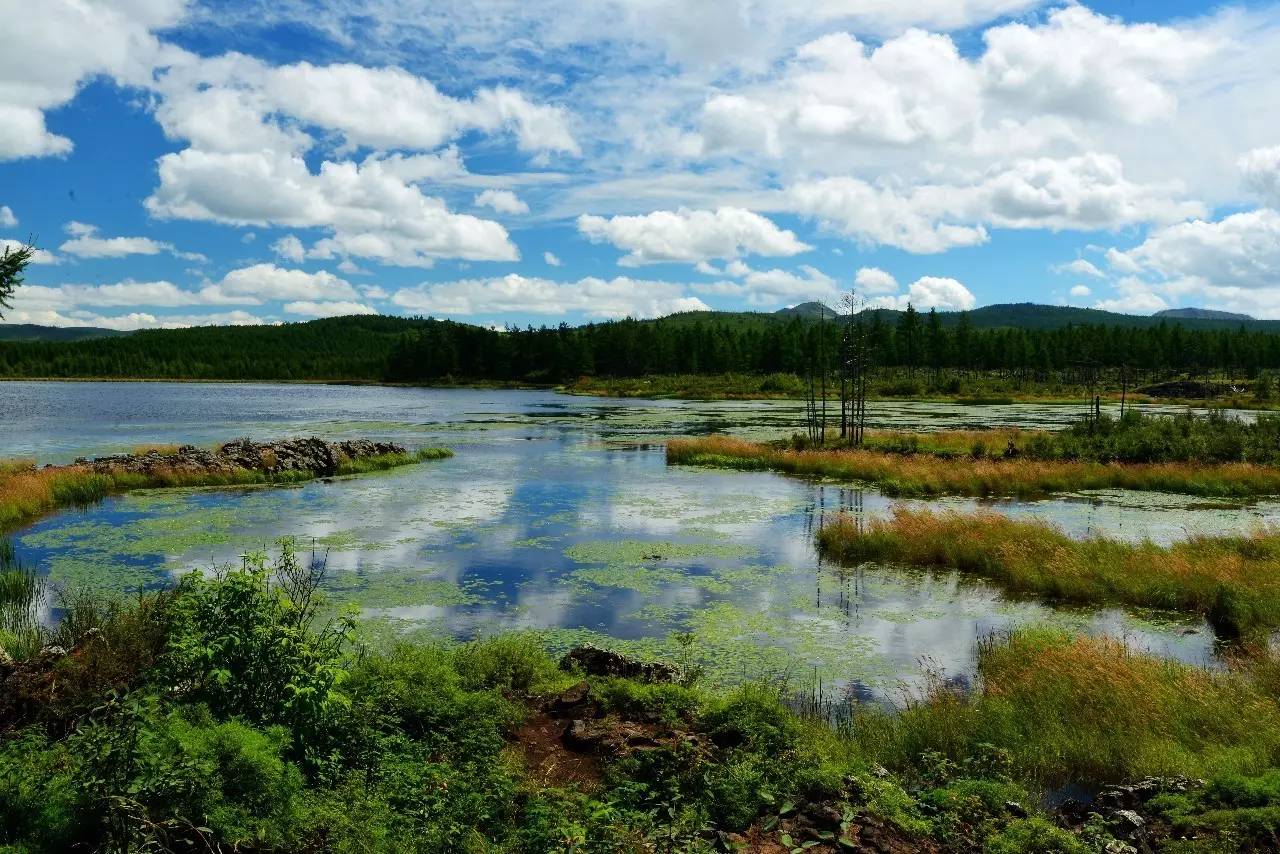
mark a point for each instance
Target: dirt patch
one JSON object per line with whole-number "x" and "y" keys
{"x": 548, "y": 762}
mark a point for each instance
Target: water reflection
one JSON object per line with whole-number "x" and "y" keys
{"x": 559, "y": 515}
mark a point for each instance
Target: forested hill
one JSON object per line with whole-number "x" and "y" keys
{"x": 997, "y": 338}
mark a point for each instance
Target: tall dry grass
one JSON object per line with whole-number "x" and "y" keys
{"x": 1071, "y": 708}
{"x": 925, "y": 474}
{"x": 1234, "y": 581}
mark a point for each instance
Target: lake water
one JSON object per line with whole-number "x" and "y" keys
{"x": 558, "y": 515}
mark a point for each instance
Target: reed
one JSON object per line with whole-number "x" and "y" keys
{"x": 1233, "y": 581}
{"x": 922, "y": 474}
{"x": 1066, "y": 708}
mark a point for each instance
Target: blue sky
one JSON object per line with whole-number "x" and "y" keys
{"x": 276, "y": 160}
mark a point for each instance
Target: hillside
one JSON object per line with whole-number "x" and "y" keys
{"x": 33, "y": 332}
{"x": 1201, "y": 314}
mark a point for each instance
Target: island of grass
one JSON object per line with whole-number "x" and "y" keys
{"x": 1212, "y": 455}
{"x": 27, "y": 491}
{"x": 228, "y": 714}
{"x": 1232, "y": 581}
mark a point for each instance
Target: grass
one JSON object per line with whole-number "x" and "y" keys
{"x": 383, "y": 462}
{"x": 27, "y": 491}
{"x": 1065, "y": 708}
{"x": 1233, "y": 581}
{"x": 923, "y": 474}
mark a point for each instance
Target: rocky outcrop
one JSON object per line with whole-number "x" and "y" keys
{"x": 310, "y": 454}
{"x": 594, "y": 661}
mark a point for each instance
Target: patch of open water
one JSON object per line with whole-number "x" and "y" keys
{"x": 559, "y": 516}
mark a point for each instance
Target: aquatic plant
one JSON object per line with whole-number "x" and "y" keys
{"x": 918, "y": 473}
{"x": 1234, "y": 581}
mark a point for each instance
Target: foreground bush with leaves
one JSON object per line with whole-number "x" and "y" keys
{"x": 235, "y": 713}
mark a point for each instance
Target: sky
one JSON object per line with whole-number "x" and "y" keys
{"x": 184, "y": 162}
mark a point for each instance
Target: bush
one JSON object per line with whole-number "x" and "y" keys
{"x": 250, "y": 649}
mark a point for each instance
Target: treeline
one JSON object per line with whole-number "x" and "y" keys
{"x": 425, "y": 350}
{"x": 915, "y": 342}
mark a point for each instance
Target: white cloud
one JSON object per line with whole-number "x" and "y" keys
{"x": 52, "y": 46}
{"x": 1087, "y": 192}
{"x": 86, "y": 244}
{"x": 513, "y": 293}
{"x": 308, "y": 308}
{"x": 551, "y": 259}
{"x": 269, "y": 282}
{"x": 775, "y": 287}
{"x": 1081, "y": 291}
{"x": 370, "y": 212}
{"x": 132, "y": 320}
{"x": 502, "y": 201}
{"x": 1261, "y": 171}
{"x": 690, "y": 235}
{"x": 1082, "y": 64}
{"x": 909, "y": 89}
{"x": 1134, "y": 298}
{"x": 929, "y": 292}
{"x": 873, "y": 280}
{"x": 1231, "y": 263}
{"x": 7, "y": 218}
{"x": 290, "y": 248}
{"x": 1080, "y": 267}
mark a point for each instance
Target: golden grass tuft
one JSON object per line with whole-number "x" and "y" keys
{"x": 926, "y": 474}
{"x": 1070, "y": 708}
{"x": 1233, "y": 581}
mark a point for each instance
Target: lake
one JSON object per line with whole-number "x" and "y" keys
{"x": 558, "y": 515}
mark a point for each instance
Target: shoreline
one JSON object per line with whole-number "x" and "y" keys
{"x": 571, "y": 391}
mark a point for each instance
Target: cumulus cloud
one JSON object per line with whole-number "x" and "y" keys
{"x": 593, "y": 297}
{"x": 773, "y": 287}
{"x": 690, "y": 236}
{"x": 551, "y": 259}
{"x": 1087, "y": 192}
{"x": 308, "y": 308}
{"x": 928, "y": 292}
{"x": 370, "y": 212}
{"x": 49, "y": 50}
{"x": 1080, "y": 267}
{"x": 873, "y": 280}
{"x": 1081, "y": 291}
{"x": 290, "y": 248}
{"x": 85, "y": 243}
{"x": 1233, "y": 263}
{"x": 1083, "y": 64}
{"x": 7, "y": 217}
{"x": 1261, "y": 171}
{"x": 233, "y": 103}
{"x": 269, "y": 282}
{"x": 502, "y": 201}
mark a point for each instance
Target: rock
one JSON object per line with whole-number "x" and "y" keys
{"x": 310, "y": 454}
{"x": 572, "y": 699}
{"x": 1015, "y": 809}
{"x": 49, "y": 653}
{"x": 594, "y": 661}
{"x": 1128, "y": 825}
{"x": 1115, "y": 846}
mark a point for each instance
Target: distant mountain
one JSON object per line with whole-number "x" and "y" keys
{"x": 1201, "y": 314}
{"x": 32, "y": 332}
{"x": 806, "y": 309}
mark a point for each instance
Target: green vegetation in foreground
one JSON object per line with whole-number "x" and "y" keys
{"x": 27, "y": 491}
{"x": 1214, "y": 456}
{"x": 228, "y": 714}
{"x": 1234, "y": 581}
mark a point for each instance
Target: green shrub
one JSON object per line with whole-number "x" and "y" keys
{"x": 248, "y": 648}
